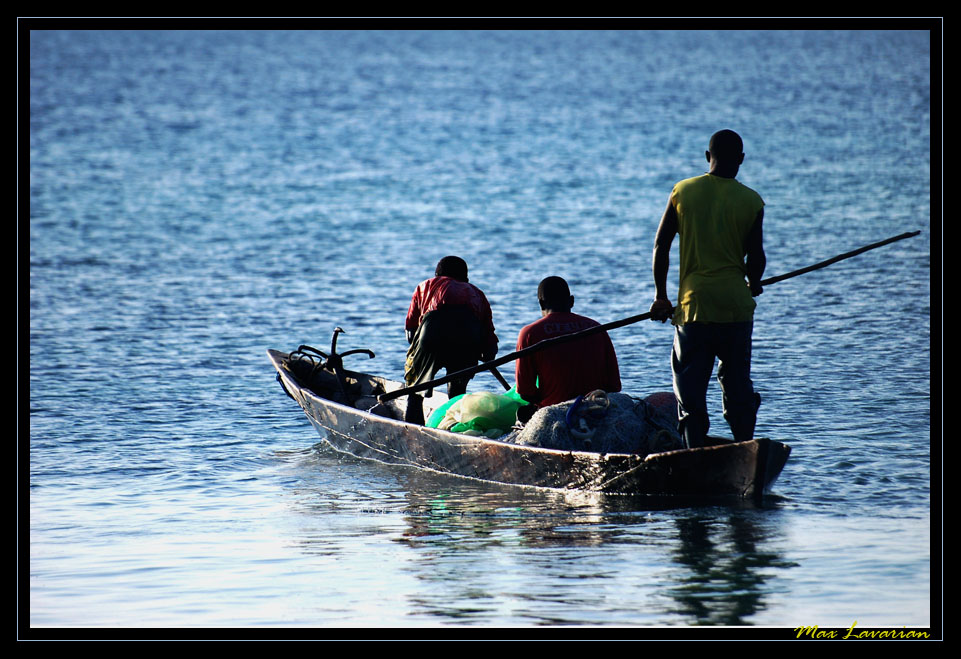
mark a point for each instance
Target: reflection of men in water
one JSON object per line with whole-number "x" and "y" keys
{"x": 719, "y": 223}
{"x": 568, "y": 370}
{"x": 723, "y": 562}
{"x": 449, "y": 325}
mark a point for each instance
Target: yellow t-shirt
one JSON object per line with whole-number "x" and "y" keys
{"x": 714, "y": 216}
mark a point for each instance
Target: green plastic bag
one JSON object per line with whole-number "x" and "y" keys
{"x": 483, "y": 413}
{"x": 438, "y": 415}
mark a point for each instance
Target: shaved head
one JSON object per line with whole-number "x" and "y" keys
{"x": 553, "y": 293}
{"x": 453, "y": 267}
{"x": 726, "y": 145}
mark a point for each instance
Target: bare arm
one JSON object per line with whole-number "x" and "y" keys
{"x": 661, "y": 308}
{"x": 756, "y": 260}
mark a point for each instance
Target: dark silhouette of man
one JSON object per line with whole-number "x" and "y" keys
{"x": 562, "y": 372}
{"x": 722, "y": 259}
{"x": 449, "y": 325}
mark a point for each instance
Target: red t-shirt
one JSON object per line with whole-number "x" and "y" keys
{"x": 440, "y": 291}
{"x": 568, "y": 370}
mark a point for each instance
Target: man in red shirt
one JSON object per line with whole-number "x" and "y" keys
{"x": 449, "y": 325}
{"x": 563, "y": 372}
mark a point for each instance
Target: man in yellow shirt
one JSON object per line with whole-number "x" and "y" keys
{"x": 719, "y": 222}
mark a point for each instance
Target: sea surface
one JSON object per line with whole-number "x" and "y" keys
{"x": 197, "y": 197}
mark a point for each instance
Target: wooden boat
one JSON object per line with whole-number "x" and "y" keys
{"x": 343, "y": 406}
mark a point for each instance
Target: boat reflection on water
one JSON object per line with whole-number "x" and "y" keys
{"x": 462, "y": 552}
{"x": 672, "y": 561}
{"x": 727, "y": 560}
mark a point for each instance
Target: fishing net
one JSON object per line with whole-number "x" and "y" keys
{"x": 604, "y": 423}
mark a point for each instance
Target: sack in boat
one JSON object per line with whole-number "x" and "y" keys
{"x": 479, "y": 414}
{"x": 603, "y": 423}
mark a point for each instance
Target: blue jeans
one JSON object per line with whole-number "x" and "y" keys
{"x": 696, "y": 346}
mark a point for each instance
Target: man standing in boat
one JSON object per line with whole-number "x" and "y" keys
{"x": 722, "y": 259}
{"x": 562, "y": 372}
{"x": 449, "y": 325}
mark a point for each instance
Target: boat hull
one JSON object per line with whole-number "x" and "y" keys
{"x": 725, "y": 469}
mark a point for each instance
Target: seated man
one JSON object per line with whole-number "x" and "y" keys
{"x": 449, "y": 325}
{"x": 562, "y": 372}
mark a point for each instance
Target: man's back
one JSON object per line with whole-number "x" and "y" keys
{"x": 568, "y": 370}
{"x": 715, "y": 216}
{"x": 440, "y": 291}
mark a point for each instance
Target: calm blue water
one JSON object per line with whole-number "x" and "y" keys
{"x": 198, "y": 197}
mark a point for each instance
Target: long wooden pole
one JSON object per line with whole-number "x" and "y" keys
{"x": 557, "y": 340}
{"x": 839, "y": 257}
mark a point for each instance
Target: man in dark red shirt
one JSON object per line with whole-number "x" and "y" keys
{"x": 449, "y": 325}
{"x": 563, "y": 372}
